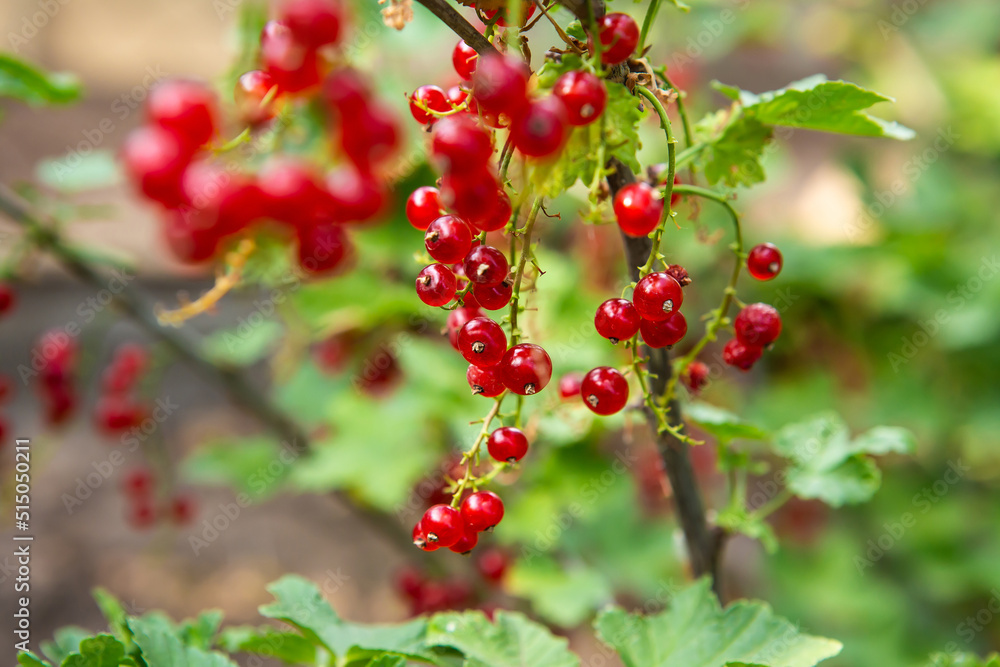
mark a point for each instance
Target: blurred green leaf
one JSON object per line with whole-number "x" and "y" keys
{"x": 291, "y": 648}
{"x": 33, "y": 86}
{"x": 157, "y": 639}
{"x": 511, "y": 640}
{"x": 963, "y": 660}
{"x": 563, "y": 595}
{"x": 29, "y": 659}
{"x": 254, "y": 465}
{"x": 245, "y": 345}
{"x": 65, "y": 641}
{"x": 98, "y": 169}
{"x": 99, "y": 651}
{"x": 721, "y": 423}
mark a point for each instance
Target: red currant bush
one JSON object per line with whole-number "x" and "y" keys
{"x": 617, "y": 319}
{"x": 526, "y": 369}
{"x": 604, "y": 390}
{"x": 764, "y": 261}
{"x": 656, "y": 296}
{"x": 758, "y": 324}
{"x": 482, "y": 342}
{"x": 448, "y": 239}
{"x": 436, "y": 285}
{"x": 507, "y": 444}
{"x": 638, "y": 209}
{"x": 482, "y": 510}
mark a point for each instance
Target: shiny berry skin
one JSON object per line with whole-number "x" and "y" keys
{"x": 251, "y": 89}
{"x": 182, "y": 510}
{"x": 459, "y": 143}
{"x": 507, "y": 444}
{"x": 616, "y": 319}
{"x": 457, "y": 96}
{"x": 322, "y": 248}
{"x": 528, "y": 10}
{"x": 619, "y": 36}
{"x": 138, "y": 482}
{"x": 569, "y": 386}
{"x": 442, "y": 524}
{"x": 740, "y": 355}
{"x": 494, "y": 297}
{"x": 155, "y": 161}
{"x": 500, "y": 84}
{"x": 225, "y": 201}
{"x": 526, "y": 369}
{"x": 346, "y": 94}
{"x": 638, "y": 209}
{"x": 436, "y": 285}
{"x": 485, "y": 265}
{"x": 604, "y": 390}
{"x": 466, "y": 543}
{"x": 695, "y": 376}
{"x": 293, "y": 66}
{"x": 492, "y": 565}
{"x": 484, "y": 381}
{"x": 471, "y": 194}
{"x": 498, "y": 215}
{"x": 764, "y": 261}
{"x": 429, "y": 97}
{"x": 356, "y": 194}
{"x": 482, "y": 341}
{"x": 656, "y": 296}
{"x": 758, "y": 324}
{"x": 448, "y": 239}
{"x": 584, "y": 96}
{"x": 420, "y": 538}
{"x": 293, "y": 192}
{"x": 665, "y": 332}
{"x": 482, "y": 510}
{"x": 464, "y": 59}
{"x": 8, "y": 298}
{"x": 370, "y": 137}
{"x": 186, "y": 109}
{"x": 423, "y": 207}
{"x": 540, "y": 129}
{"x": 457, "y": 319}
{"x": 314, "y": 23}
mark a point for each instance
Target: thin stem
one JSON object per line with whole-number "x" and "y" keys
{"x": 671, "y": 170}
{"x": 451, "y": 18}
{"x": 515, "y": 333}
{"x": 469, "y": 457}
{"x": 773, "y": 505}
{"x": 647, "y": 22}
{"x": 681, "y": 109}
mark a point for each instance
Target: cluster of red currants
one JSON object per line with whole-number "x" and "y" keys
{"x": 139, "y": 489}
{"x": 118, "y": 410}
{"x": 207, "y": 202}
{"x": 426, "y": 595}
{"x": 758, "y": 324}
{"x": 58, "y": 353}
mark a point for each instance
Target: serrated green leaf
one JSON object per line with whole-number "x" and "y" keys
{"x": 883, "y": 440}
{"x": 734, "y": 158}
{"x": 853, "y": 481}
{"x": 33, "y": 86}
{"x": 29, "y": 659}
{"x": 65, "y": 641}
{"x": 697, "y": 632}
{"x": 114, "y": 613}
{"x": 299, "y": 603}
{"x": 721, "y": 423}
{"x": 288, "y": 647}
{"x": 246, "y": 344}
{"x": 99, "y": 651}
{"x": 963, "y": 660}
{"x": 156, "y": 637}
{"x": 512, "y": 640}
{"x": 387, "y": 660}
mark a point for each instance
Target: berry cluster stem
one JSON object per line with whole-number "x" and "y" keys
{"x": 525, "y": 232}
{"x": 470, "y": 456}
{"x": 668, "y": 189}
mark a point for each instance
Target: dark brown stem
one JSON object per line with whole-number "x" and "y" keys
{"x": 704, "y": 547}
{"x": 454, "y": 20}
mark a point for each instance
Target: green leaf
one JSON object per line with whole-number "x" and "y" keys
{"x": 160, "y": 645}
{"x": 511, "y": 641}
{"x": 255, "y": 465}
{"x": 201, "y": 630}
{"x": 75, "y": 172}
{"x": 34, "y": 86}
{"x": 114, "y": 613}
{"x": 697, "y": 632}
{"x": 29, "y": 659}
{"x": 387, "y": 660}
{"x": 99, "y": 651}
{"x": 734, "y": 158}
{"x": 816, "y": 103}
{"x": 963, "y": 660}
{"x": 565, "y": 596}
{"x": 739, "y": 520}
{"x": 853, "y": 481}
{"x": 244, "y": 345}
{"x": 885, "y": 440}
{"x": 724, "y": 425}
{"x": 288, "y": 647}
{"x": 299, "y": 603}
{"x": 65, "y": 641}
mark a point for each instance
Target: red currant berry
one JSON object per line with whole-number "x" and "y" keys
{"x": 141, "y": 514}
{"x": 740, "y": 355}
{"x": 293, "y": 66}
{"x": 507, "y": 444}
{"x": 190, "y": 240}
{"x": 466, "y": 543}
{"x": 617, "y": 319}
{"x": 138, "y": 483}
{"x": 472, "y": 195}
{"x": 314, "y": 23}
{"x": 251, "y": 90}
{"x": 484, "y": 381}
{"x": 182, "y": 510}
{"x": 459, "y": 143}
{"x": 448, "y": 239}
{"x": 764, "y": 261}
{"x": 492, "y": 565}
{"x": 638, "y": 209}
{"x": 370, "y": 137}
{"x": 427, "y": 98}
{"x": 500, "y": 84}
{"x": 758, "y": 324}
{"x": 7, "y": 298}
{"x": 665, "y": 332}
{"x": 482, "y": 511}
{"x": 322, "y": 248}
{"x": 695, "y": 376}
{"x": 423, "y": 207}
{"x": 569, "y": 386}
{"x": 494, "y": 297}
{"x": 292, "y": 192}
{"x": 464, "y": 59}
{"x": 420, "y": 538}
{"x": 442, "y": 524}
{"x": 357, "y": 195}
{"x": 604, "y": 390}
{"x": 526, "y": 369}
{"x": 482, "y": 341}
{"x": 540, "y": 130}
{"x": 457, "y": 96}
{"x": 583, "y": 95}
{"x": 116, "y": 413}
{"x": 227, "y": 202}
{"x": 528, "y": 10}
{"x": 436, "y": 285}
{"x": 457, "y": 319}
{"x": 619, "y": 36}
{"x": 485, "y": 265}
{"x": 186, "y": 109}
{"x": 656, "y": 296}
{"x": 346, "y": 94}
{"x": 410, "y": 582}
{"x": 155, "y": 161}
{"x": 498, "y": 215}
